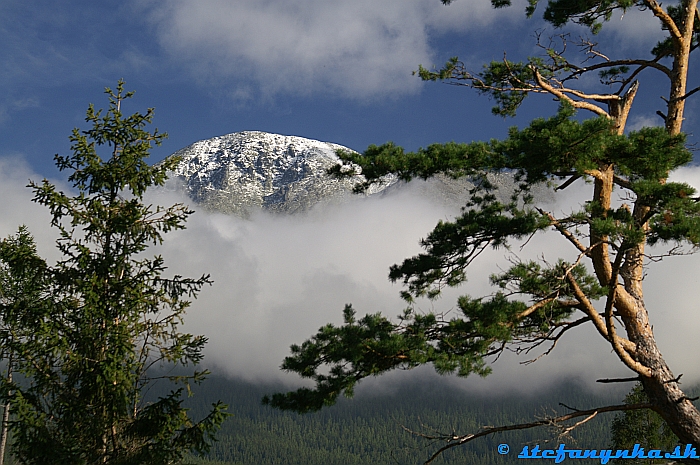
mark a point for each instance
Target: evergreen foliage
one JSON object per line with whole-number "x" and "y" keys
{"x": 544, "y": 150}
{"x": 640, "y": 427}
{"x": 104, "y": 315}
{"x": 536, "y": 303}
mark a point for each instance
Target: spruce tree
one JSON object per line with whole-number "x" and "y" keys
{"x": 23, "y": 279}
{"x": 536, "y": 303}
{"x": 106, "y": 325}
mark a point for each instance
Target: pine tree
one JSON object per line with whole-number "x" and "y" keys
{"x": 107, "y": 321}
{"x": 536, "y": 303}
{"x": 640, "y": 426}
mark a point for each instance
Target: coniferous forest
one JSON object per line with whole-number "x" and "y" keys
{"x": 369, "y": 428}
{"x": 82, "y": 340}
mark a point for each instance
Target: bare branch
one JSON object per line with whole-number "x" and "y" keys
{"x": 589, "y": 48}
{"x": 611, "y": 64}
{"x": 622, "y": 182}
{"x": 569, "y": 429}
{"x": 555, "y": 339}
{"x": 618, "y": 380}
{"x": 568, "y": 182}
{"x": 689, "y": 93}
{"x": 565, "y": 232}
{"x": 660, "y": 13}
{"x": 458, "y": 440}
{"x": 561, "y": 94}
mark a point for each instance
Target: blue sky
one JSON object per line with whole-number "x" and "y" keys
{"x": 332, "y": 70}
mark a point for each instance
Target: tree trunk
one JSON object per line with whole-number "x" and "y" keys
{"x": 5, "y": 416}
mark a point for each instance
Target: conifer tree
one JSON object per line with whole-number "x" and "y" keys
{"x": 106, "y": 320}
{"x": 22, "y": 281}
{"x": 640, "y": 426}
{"x": 537, "y": 303}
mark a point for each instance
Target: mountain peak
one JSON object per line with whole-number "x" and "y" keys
{"x": 239, "y": 172}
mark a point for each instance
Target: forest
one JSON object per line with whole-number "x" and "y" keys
{"x": 81, "y": 337}
{"x": 369, "y": 429}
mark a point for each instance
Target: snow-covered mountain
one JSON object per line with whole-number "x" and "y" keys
{"x": 242, "y": 171}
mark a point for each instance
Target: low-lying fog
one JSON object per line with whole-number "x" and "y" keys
{"x": 279, "y": 278}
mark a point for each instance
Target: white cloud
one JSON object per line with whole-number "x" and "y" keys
{"x": 357, "y": 49}
{"x": 16, "y": 207}
{"x": 279, "y": 278}
{"x": 643, "y": 121}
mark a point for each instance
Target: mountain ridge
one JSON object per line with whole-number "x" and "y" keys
{"x": 245, "y": 171}
{"x": 236, "y": 173}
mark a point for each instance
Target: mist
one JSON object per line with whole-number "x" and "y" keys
{"x": 277, "y": 279}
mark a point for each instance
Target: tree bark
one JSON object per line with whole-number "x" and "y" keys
{"x": 5, "y": 416}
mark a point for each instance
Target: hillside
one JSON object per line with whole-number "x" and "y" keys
{"x": 368, "y": 429}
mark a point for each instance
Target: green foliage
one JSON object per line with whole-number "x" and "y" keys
{"x": 559, "y": 12}
{"x": 535, "y": 302}
{"x": 613, "y": 74}
{"x": 505, "y": 81}
{"x": 557, "y": 146}
{"x": 106, "y": 313}
{"x": 643, "y": 427}
{"x": 336, "y": 358}
{"x": 23, "y": 278}
{"x": 588, "y": 13}
{"x": 452, "y": 246}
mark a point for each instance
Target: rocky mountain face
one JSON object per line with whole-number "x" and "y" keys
{"x": 244, "y": 171}
{"x": 239, "y": 172}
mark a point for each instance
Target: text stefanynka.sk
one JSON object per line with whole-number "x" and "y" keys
{"x": 604, "y": 455}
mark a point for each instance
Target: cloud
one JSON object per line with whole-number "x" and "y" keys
{"x": 643, "y": 121}
{"x": 632, "y": 31}
{"x": 280, "y": 278}
{"x": 17, "y": 208}
{"x": 356, "y": 49}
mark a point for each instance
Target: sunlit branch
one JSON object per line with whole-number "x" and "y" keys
{"x": 533, "y": 308}
{"x": 610, "y": 324}
{"x": 562, "y": 95}
{"x": 598, "y": 322}
{"x": 660, "y": 13}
